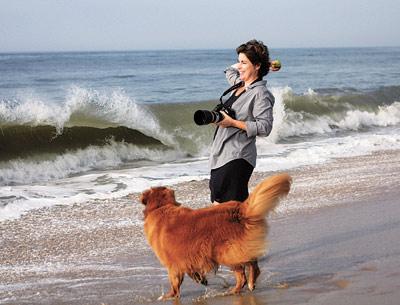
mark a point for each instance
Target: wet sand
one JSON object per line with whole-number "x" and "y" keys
{"x": 338, "y": 245}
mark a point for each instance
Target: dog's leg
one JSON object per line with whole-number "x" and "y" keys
{"x": 240, "y": 276}
{"x": 199, "y": 277}
{"x": 254, "y": 272}
{"x": 175, "y": 279}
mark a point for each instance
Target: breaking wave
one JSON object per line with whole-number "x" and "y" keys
{"x": 92, "y": 130}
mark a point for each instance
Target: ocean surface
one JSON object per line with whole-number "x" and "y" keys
{"x": 99, "y": 125}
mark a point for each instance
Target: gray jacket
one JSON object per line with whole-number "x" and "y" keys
{"x": 254, "y": 107}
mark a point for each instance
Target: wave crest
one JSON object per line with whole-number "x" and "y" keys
{"x": 82, "y": 107}
{"x": 316, "y": 114}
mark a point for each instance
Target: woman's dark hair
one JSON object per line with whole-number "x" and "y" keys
{"x": 257, "y": 53}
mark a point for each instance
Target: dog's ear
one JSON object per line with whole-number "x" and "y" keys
{"x": 157, "y": 197}
{"x": 145, "y": 196}
{"x": 169, "y": 196}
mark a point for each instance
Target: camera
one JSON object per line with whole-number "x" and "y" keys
{"x": 204, "y": 117}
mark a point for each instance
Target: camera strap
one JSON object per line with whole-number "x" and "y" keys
{"x": 230, "y": 89}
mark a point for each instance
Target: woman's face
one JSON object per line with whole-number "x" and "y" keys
{"x": 248, "y": 71}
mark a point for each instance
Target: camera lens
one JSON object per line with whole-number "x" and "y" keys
{"x": 204, "y": 117}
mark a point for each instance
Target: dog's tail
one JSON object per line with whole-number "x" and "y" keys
{"x": 264, "y": 198}
{"x": 266, "y": 195}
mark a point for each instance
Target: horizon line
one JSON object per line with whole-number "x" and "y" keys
{"x": 181, "y": 49}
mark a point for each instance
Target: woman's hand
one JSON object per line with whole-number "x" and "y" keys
{"x": 230, "y": 122}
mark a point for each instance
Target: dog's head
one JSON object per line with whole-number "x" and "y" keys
{"x": 157, "y": 197}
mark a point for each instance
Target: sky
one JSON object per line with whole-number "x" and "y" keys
{"x": 94, "y": 25}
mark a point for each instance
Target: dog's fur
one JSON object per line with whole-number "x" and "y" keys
{"x": 196, "y": 242}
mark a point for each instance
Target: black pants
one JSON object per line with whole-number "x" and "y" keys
{"x": 230, "y": 181}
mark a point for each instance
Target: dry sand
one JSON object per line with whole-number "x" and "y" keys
{"x": 334, "y": 240}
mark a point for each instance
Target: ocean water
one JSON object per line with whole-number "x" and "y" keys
{"x": 99, "y": 125}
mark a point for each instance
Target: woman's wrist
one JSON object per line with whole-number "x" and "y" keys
{"x": 240, "y": 124}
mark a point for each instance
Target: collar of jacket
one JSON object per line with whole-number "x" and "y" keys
{"x": 256, "y": 84}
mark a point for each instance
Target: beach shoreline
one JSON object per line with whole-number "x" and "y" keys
{"x": 342, "y": 250}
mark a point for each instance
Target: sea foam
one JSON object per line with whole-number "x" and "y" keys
{"x": 25, "y": 171}
{"x": 84, "y": 107}
{"x": 289, "y": 123}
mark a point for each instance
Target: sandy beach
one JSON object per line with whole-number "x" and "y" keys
{"x": 343, "y": 250}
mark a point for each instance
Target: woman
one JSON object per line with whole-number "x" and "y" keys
{"x": 233, "y": 153}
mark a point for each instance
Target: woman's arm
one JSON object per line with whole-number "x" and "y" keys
{"x": 262, "y": 112}
{"x": 232, "y": 75}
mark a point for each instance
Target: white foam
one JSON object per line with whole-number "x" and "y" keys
{"x": 40, "y": 113}
{"x": 288, "y": 123}
{"x": 386, "y": 116}
{"x": 114, "y": 108}
{"x": 83, "y": 160}
{"x": 279, "y": 113}
{"x": 281, "y": 156}
{"x": 101, "y": 185}
{"x": 117, "y": 183}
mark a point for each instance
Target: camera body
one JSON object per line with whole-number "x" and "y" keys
{"x": 204, "y": 117}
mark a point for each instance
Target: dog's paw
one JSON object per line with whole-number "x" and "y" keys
{"x": 168, "y": 296}
{"x": 233, "y": 291}
{"x": 164, "y": 297}
{"x": 251, "y": 286}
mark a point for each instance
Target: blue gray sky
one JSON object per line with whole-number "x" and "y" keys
{"x": 74, "y": 25}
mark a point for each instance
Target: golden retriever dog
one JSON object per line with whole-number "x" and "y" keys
{"x": 195, "y": 242}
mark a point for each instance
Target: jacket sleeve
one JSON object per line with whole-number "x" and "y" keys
{"x": 232, "y": 75}
{"x": 262, "y": 113}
